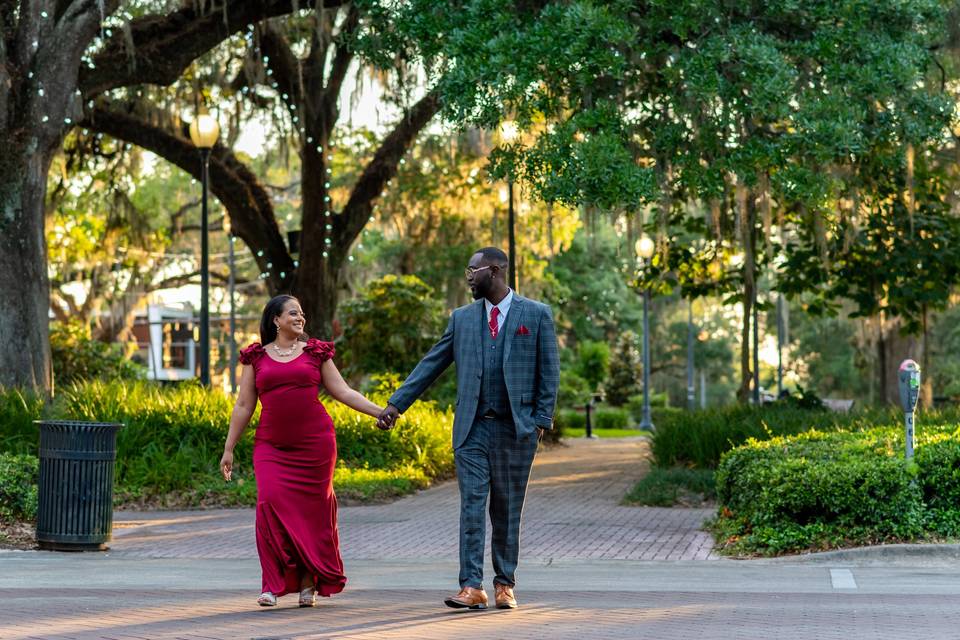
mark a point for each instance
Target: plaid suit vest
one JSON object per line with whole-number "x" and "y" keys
{"x": 493, "y": 386}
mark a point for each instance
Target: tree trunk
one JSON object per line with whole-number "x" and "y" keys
{"x": 24, "y": 286}
{"x": 748, "y": 238}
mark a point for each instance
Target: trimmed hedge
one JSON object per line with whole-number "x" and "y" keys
{"x": 823, "y": 490}
{"x": 700, "y": 438}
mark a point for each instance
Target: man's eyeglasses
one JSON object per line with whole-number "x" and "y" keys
{"x": 471, "y": 271}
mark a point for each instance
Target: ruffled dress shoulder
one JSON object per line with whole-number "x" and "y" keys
{"x": 252, "y": 353}
{"x": 319, "y": 350}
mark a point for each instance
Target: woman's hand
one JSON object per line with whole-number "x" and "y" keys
{"x": 226, "y": 465}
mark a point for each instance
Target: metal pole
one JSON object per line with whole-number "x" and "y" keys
{"x": 512, "y": 239}
{"x": 756, "y": 355}
{"x": 233, "y": 319}
{"x": 779, "y": 344}
{"x": 691, "y": 395}
{"x": 588, "y": 424}
{"x": 646, "y": 422}
{"x": 204, "y": 276}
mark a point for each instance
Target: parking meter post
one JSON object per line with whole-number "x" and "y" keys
{"x": 908, "y": 377}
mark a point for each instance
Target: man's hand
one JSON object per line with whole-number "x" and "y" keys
{"x": 540, "y": 432}
{"x": 388, "y": 417}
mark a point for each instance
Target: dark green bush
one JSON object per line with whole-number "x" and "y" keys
{"x": 573, "y": 392}
{"x": 18, "y": 487}
{"x": 609, "y": 418}
{"x": 699, "y": 438}
{"x": 77, "y": 356}
{"x": 821, "y": 490}
{"x": 570, "y": 419}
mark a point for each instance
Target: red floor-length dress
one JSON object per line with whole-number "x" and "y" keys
{"x": 294, "y": 455}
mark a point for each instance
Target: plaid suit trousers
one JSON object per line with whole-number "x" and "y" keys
{"x": 492, "y": 463}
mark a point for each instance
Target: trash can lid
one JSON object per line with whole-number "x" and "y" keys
{"x": 77, "y": 423}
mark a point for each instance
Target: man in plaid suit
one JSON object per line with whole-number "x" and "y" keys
{"x": 508, "y": 370}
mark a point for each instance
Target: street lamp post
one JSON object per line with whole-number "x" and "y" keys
{"x": 509, "y": 133}
{"x": 644, "y": 248}
{"x": 204, "y": 132}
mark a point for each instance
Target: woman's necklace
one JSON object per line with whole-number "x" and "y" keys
{"x": 283, "y": 353}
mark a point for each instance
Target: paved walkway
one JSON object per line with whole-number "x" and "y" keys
{"x": 573, "y": 511}
{"x": 591, "y": 569}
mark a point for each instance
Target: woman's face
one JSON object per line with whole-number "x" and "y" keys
{"x": 291, "y": 321}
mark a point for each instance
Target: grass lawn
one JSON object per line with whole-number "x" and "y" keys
{"x": 605, "y": 433}
{"x": 675, "y": 486}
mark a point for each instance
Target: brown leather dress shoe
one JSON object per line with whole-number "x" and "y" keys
{"x": 468, "y": 598}
{"x": 504, "y": 596}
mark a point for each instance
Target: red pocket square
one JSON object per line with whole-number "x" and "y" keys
{"x": 523, "y": 331}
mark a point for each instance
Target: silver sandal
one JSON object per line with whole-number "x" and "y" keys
{"x": 267, "y": 599}
{"x": 308, "y": 597}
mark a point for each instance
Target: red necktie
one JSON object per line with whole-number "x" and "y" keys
{"x": 494, "y": 327}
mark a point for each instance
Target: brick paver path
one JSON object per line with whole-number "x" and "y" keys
{"x": 573, "y": 511}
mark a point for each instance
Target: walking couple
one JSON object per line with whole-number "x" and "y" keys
{"x": 508, "y": 371}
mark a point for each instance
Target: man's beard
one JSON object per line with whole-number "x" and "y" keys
{"x": 480, "y": 291}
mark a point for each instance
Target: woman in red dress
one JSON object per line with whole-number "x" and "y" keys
{"x": 294, "y": 454}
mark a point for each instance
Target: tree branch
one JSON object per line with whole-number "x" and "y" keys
{"x": 338, "y": 70}
{"x": 165, "y": 45}
{"x": 381, "y": 168}
{"x": 237, "y": 188}
{"x": 283, "y": 64}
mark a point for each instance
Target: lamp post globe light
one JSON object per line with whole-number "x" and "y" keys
{"x": 204, "y": 132}
{"x": 644, "y": 248}
{"x": 508, "y": 133}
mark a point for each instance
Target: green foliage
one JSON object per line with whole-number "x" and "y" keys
{"x": 169, "y": 450}
{"x": 573, "y": 391}
{"x": 699, "y": 438}
{"x": 626, "y": 371}
{"x": 18, "y": 410}
{"x": 389, "y": 326}
{"x": 610, "y": 418}
{"x": 567, "y": 419}
{"x": 77, "y": 356}
{"x": 18, "y": 487}
{"x": 820, "y": 490}
{"x": 676, "y": 485}
{"x": 588, "y": 291}
{"x": 593, "y": 363}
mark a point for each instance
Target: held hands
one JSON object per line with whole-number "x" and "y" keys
{"x": 388, "y": 418}
{"x": 226, "y": 465}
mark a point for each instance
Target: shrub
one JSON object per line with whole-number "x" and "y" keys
{"x": 570, "y": 419}
{"x": 390, "y": 325}
{"x": 77, "y": 356}
{"x": 609, "y": 418}
{"x": 626, "y": 371}
{"x": 573, "y": 391}
{"x": 18, "y": 487}
{"x": 699, "y": 438}
{"x": 818, "y": 490}
{"x": 593, "y": 362}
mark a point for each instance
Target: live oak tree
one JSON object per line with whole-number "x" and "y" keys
{"x": 56, "y": 56}
{"x": 757, "y": 113}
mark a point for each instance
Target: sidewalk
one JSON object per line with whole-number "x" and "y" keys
{"x": 572, "y": 511}
{"x": 590, "y": 568}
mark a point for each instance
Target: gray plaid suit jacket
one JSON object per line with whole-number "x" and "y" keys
{"x": 531, "y": 366}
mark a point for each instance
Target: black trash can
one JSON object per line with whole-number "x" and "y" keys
{"x": 75, "y": 510}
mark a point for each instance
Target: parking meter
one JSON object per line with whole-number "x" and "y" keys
{"x": 909, "y": 377}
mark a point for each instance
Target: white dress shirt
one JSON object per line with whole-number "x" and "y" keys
{"x": 504, "y": 307}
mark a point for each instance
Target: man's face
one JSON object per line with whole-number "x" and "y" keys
{"x": 480, "y": 276}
